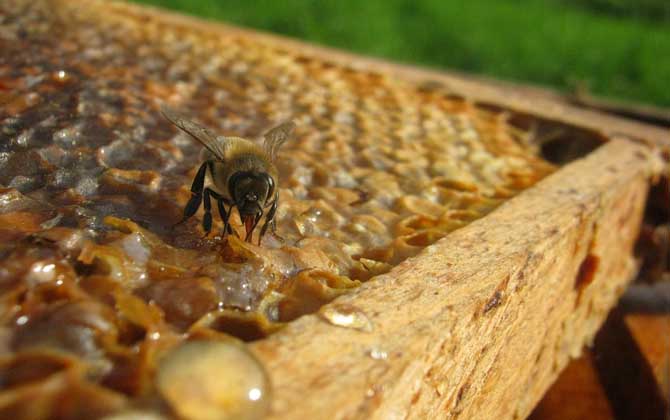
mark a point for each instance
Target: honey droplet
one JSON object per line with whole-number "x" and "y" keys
{"x": 346, "y": 316}
{"x": 378, "y": 354}
{"x": 203, "y": 380}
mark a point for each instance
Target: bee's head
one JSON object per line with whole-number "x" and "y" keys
{"x": 250, "y": 190}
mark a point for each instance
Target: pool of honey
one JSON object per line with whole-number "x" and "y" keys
{"x": 94, "y": 278}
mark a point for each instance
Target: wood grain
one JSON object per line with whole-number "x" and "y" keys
{"x": 481, "y": 323}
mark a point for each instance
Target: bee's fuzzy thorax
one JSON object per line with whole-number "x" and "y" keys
{"x": 236, "y": 172}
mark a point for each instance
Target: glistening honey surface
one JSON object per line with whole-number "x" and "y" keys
{"x": 96, "y": 286}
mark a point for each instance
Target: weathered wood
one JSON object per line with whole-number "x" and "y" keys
{"x": 481, "y": 323}
{"x": 576, "y": 395}
{"x": 646, "y": 113}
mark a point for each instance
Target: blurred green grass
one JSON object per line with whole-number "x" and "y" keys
{"x": 615, "y": 48}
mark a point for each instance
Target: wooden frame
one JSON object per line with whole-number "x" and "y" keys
{"x": 481, "y": 323}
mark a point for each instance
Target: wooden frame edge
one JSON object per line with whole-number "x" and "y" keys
{"x": 481, "y": 323}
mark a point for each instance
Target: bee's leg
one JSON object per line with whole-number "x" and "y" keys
{"x": 207, "y": 219}
{"x": 196, "y": 191}
{"x": 225, "y": 216}
{"x": 269, "y": 220}
{"x": 273, "y": 228}
{"x": 196, "y": 194}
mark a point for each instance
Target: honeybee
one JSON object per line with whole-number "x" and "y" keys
{"x": 236, "y": 173}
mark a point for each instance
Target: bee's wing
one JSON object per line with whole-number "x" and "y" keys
{"x": 215, "y": 144}
{"x": 276, "y": 136}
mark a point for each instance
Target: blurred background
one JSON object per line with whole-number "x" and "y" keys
{"x": 612, "y": 48}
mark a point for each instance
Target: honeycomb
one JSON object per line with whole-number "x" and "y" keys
{"x": 96, "y": 283}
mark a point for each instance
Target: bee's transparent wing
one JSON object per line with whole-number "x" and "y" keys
{"x": 276, "y": 136}
{"x": 213, "y": 143}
